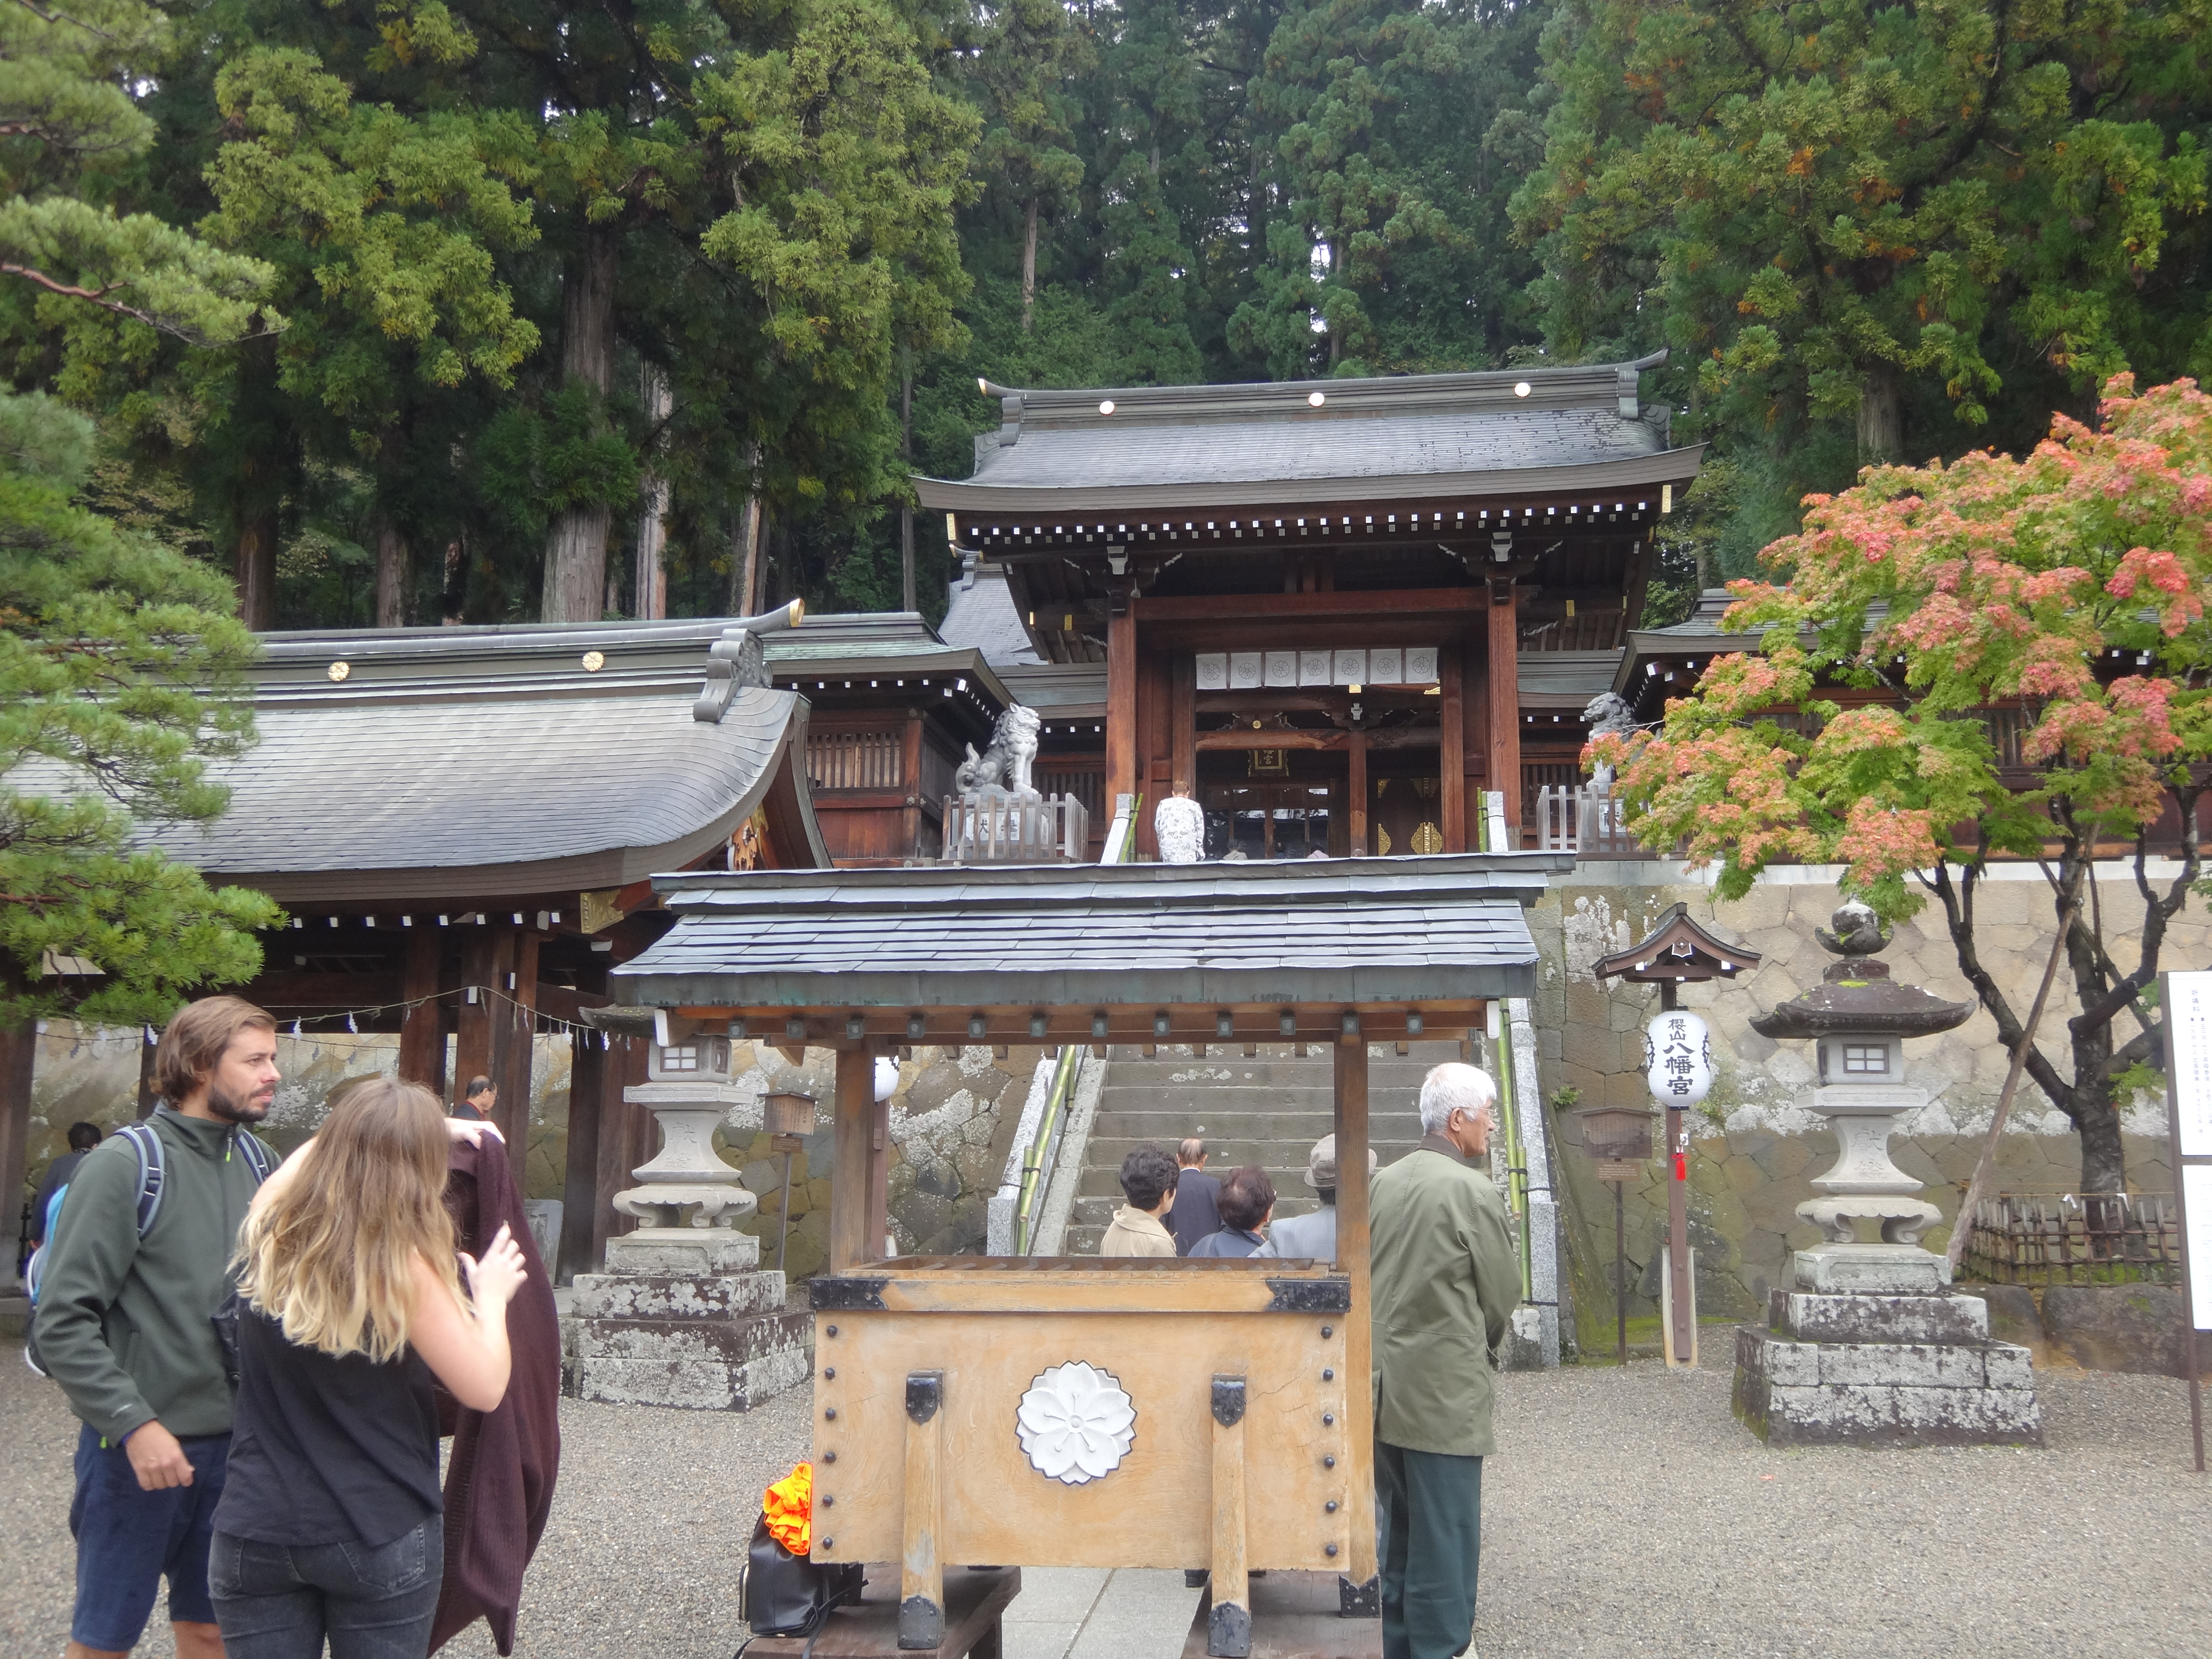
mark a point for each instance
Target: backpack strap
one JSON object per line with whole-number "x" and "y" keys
{"x": 153, "y": 1171}
{"x": 258, "y": 1157}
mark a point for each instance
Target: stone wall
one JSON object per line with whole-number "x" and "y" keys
{"x": 1756, "y": 1144}
{"x": 950, "y": 1137}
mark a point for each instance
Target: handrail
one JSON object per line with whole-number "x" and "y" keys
{"x": 1516, "y": 1160}
{"x": 1121, "y": 832}
{"x": 1063, "y": 1083}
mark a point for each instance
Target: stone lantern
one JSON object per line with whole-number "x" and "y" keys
{"x": 1868, "y": 1344}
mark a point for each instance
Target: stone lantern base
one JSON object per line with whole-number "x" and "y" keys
{"x": 1883, "y": 1370}
{"x": 682, "y": 1316}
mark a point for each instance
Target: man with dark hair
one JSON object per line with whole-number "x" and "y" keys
{"x": 479, "y": 1100}
{"x": 1148, "y": 1181}
{"x": 1247, "y": 1199}
{"x": 135, "y": 1272}
{"x": 1197, "y": 1195}
{"x": 82, "y": 1138}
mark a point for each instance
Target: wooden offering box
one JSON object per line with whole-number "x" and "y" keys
{"x": 1065, "y": 1411}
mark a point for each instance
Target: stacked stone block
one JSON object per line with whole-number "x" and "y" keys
{"x": 1883, "y": 1370}
{"x": 689, "y": 1324}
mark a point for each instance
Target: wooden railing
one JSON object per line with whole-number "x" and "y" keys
{"x": 2085, "y": 1238}
{"x": 1583, "y": 822}
{"x": 1004, "y": 829}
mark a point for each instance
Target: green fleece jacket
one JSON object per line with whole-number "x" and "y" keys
{"x": 125, "y": 1323}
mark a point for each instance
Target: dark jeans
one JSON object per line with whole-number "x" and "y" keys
{"x": 1430, "y": 1505}
{"x": 283, "y": 1601}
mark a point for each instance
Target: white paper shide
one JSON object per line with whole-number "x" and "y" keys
{"x": 1076, "y": 1423}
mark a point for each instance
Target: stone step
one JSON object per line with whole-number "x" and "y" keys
{"x": 1211, "y": 1122}
{"x": 667, "y": 1295}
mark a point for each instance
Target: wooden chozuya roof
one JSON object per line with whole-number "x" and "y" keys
{"x": 1678, "y": 950}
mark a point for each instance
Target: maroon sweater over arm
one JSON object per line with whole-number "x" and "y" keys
{"x": 499, "y": 1484}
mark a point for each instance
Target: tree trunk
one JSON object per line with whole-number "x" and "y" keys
{"x": 745, "y": 544}
{"x": 2104, "y": 1160}
{"x": 253, "y": 567}
{"x": 1029, "y": 266}
{"x": 906, "y": 508}
{"x": 1881, "y": 417}
{"x": 393, "y": 561}
{"x": 576, "y": 544}
{"x": 651, "y": 524}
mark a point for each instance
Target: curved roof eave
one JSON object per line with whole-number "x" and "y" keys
{"x": 1666, "y": 466}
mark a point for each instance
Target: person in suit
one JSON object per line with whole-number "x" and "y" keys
{"x": 1313, "y": 1235}
{"x": 1197, "y": 1206}
{"x": 1445, "y": 1281}
{"x": 1247, "y": 1199}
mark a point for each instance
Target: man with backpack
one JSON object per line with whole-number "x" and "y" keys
{"x": 137, "y": 1268}
{"x": 82, "y": 1138}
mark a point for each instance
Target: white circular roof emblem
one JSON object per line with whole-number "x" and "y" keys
{"x": 1106, "y": 407}
{"x": 1316, "y": 399}
{"x": 1521, "y": 388}
{"x": 1076, "y": 1423}
{"x": 339, "y": 671}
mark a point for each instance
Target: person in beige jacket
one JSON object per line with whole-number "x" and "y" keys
{"x": 1138, "y": 1227}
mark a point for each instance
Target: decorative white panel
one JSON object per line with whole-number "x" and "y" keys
{"x": 1349, "y": 668}
{"x": 1313, "y": 668}
{"x": 1386, "y": 667}
{"x": 1076, "y": 1423}
{"x": 1213, "y": 671}
{"x": 1282, "y": 668}
{"x": 1244, "y": 670}
{"x": 1420, "y": 665}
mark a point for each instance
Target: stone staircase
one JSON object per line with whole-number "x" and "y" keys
{"x": 1267, "y": 1110}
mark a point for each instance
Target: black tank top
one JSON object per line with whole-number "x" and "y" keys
{"x": 327, "y": 1451}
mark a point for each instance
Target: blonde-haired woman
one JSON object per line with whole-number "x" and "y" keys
{"x": 330, "y": 1527}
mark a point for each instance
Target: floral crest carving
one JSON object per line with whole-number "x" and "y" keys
{"x": 1076, "y": 1423}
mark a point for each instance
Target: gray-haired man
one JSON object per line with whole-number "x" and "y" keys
{"x": 1445, "y": 1281}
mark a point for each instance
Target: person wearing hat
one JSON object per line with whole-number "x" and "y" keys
{"x": 1313, "y": 1235}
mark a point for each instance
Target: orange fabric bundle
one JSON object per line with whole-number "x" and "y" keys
{"x": 788, "y": 1506}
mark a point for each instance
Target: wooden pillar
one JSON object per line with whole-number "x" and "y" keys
{"x": 1356, "y": 790}
{"x": 1183, "y": 719}
{"x": 587, "y": 1078}
{"x": 626, "y": 1138}
{"x": 922, "y": 1567}
{"x": 1229, "y": 1622}
{"x": 1505, "y": 703}
{"x": 1351, "y": 1259}
{"x": 1155, "y": 745}
{"x": 148, "y": 1097}
{"x": 1451, "y": 748}
{"x": 473, "y": 1048}
{"x": 19, "y": 1051}
{"x": 857, "y": 1195}
{"x": 517, "y": 1056}
{"x": 422, "y": 1038}
{"x": 1121, "y": 700}
{"x": 910, "y": 774}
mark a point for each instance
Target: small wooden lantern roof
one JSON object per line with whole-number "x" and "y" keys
{"x": 1678, "y": 951}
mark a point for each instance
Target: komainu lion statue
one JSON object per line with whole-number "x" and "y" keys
{"x": 1005, "y": 766}
{"x": 1609, "y": 716}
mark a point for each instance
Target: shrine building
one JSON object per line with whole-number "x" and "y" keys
{"x": 1338, "y": 610}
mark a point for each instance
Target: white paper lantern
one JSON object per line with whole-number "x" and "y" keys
{"x": 886, "y": 1077}
{"x": 1678, "y": 1059}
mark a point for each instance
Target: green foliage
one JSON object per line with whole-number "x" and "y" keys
{"x": 106, "y": 641}
{"x": 68, "y": 118}
{"x": 1873, "y": 232}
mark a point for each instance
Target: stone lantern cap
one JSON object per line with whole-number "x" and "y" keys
{"x": 1858, "y": 995}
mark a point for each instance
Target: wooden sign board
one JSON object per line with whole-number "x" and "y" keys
{"x": 1620, "y": 1169}
{"x": 2186, "y": 1000}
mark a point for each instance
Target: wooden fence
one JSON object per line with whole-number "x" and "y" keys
{"x": 1003, "y": 829}
{"x": 1583, "y": 822}
{"x": 2089, "y": 1238}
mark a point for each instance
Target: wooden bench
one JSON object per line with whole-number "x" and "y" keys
{"x": 976, "y": 1600}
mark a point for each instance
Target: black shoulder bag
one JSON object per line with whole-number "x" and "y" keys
{"x": 788, "y": 1595}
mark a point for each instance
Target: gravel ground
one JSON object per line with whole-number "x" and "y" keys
{"x": 1627, "y": 1513}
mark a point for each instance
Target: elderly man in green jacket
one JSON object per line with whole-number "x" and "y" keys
{"x": 1445, "y": 1281}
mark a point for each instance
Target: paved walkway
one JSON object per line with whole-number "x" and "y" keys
{"x": 1626, "y": 1514}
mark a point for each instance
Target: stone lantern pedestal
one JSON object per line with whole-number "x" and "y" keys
{"x": 1870, "y": 1345}
{"x": 684, "y": 1316}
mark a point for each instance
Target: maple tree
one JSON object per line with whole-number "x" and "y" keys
{"x": 2055, "y": 601}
